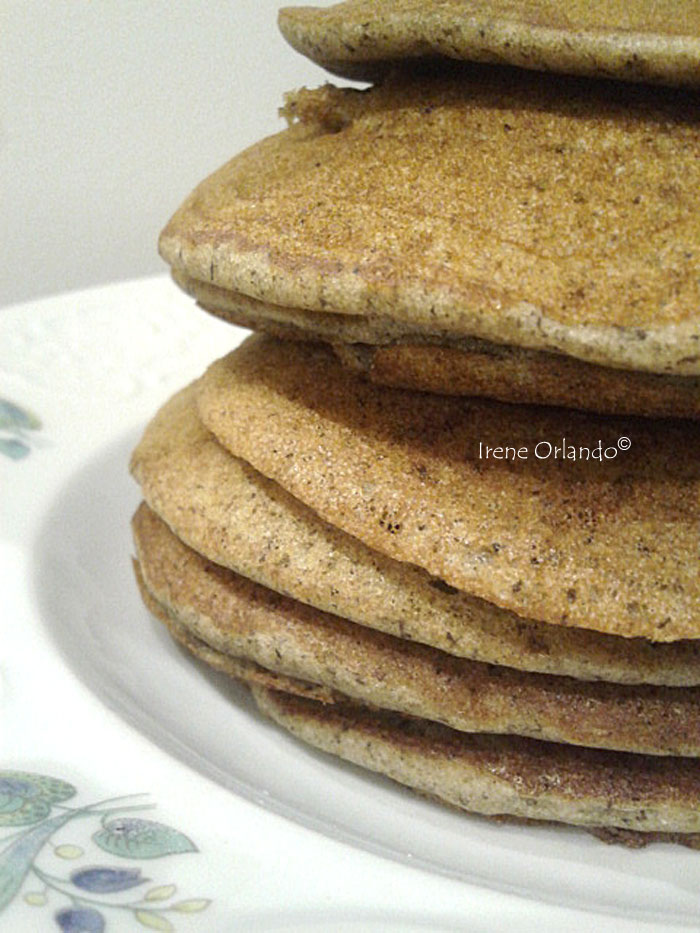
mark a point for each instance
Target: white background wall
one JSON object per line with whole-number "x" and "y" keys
{"x": 111, "y": 112}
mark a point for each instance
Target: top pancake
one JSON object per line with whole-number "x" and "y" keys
{"x": 632, "y": 40}
{"x": 611, "y": 545}
{"x": 557, "y": 215}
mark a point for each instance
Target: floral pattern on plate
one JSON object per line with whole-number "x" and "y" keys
{"x": 82, "y": 899}
{"x": 15, "y": 422}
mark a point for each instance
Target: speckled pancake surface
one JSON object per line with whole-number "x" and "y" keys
{"x": 528, "y": 377}
{"x": 639, "y": 40}
{"x": 389, "y": 354}
{"x": 611, "y": 545}
{"x": 503, "y": 775}
{"x": 227, "y": 511}
{"x": 557, "y": 215}
{"x": 240, "y": 668}
{"x": 573, "y": 780}
{"x": 241, "y": 619}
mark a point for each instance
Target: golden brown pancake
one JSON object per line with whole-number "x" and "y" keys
{"x": 240, "y": 668}
{"x": 510, "y": 374}
{"x": 609, "y": 545}
{"x": 560, "y": 216}
{"x": 505, "y": 775}
{"x": 377, "y": 348}
{"x": 614, "y": 793}
{"x": 634, "y": 41}
{"x": 277, "y": 703}
{"x": 238, "y": 618}
{"x": 227, "y": 511}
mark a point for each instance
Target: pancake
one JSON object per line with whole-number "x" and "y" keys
{"x": 239, "y": 668}
{"x": 610, "y": 545}
{"x": 527, "y": 377}
{"x": 377, "y": 348}
{"x": 559, "y": 216}
{"x": 656, "y": 42}
{"x": 421, "y": 762}
{"x": 243, "y": 620}
{"x": 506, "y": 775}
{"x": 227, "y": 511}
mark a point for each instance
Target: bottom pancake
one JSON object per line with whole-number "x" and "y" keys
{"x": 620, "y": 797}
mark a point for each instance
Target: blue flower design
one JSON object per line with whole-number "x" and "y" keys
{"x": 102, "y": 880}
{"x": 80, "y": 920}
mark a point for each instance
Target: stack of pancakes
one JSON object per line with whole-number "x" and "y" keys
{"x": 443, "y": 515}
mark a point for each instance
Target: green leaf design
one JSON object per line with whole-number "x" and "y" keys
{"x": 53, "y": 788}
{"x": 129, "y": 837}
{"x": 28, "y": 812}
{"x": 161, "y": 893}
{"x": 192, "y": 906}
{"x": 153, "y": 921}
{"x": 10, "y": 803}
{"x": 13, "y": 448}
{"x": 35, "y": 898}
{"x": 27, "y": 798}
{"x": 17, "y": 858}
{"x": 68, "y": 850}
{"x": 14, "y": 417}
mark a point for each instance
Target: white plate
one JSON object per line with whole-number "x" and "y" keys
{"x": 93, "y": 367}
